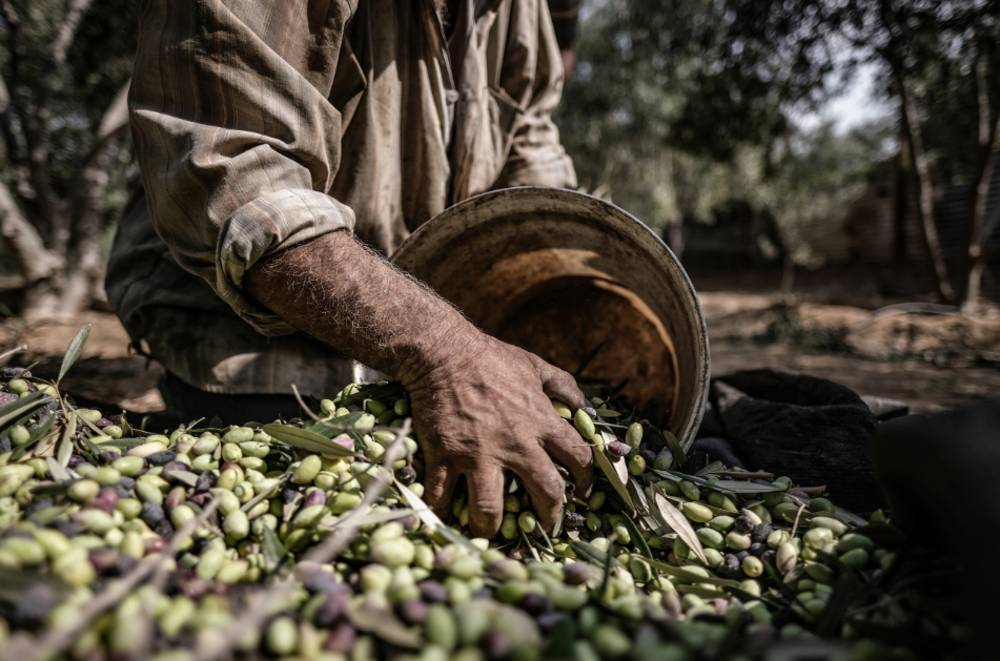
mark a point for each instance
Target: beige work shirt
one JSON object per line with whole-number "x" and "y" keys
{"x": 260, "y": 125}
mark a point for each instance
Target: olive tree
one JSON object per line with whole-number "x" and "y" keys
{"x": 64, "y": 69}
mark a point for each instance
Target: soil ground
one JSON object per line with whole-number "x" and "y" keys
{"x": 931, "y": 361}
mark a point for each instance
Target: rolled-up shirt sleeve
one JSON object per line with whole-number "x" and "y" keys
{"x": 235, "y": 136}
{"x": 534, "y": 76}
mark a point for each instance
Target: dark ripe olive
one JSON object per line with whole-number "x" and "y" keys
{"x": 205, "y": 482}
{"x": 577, "y": 573}
{"x": 341, "y": 638}
{"x": 497, "y": 645}
{"x": 413, "y": 612}
{"x": 760, "y": 532}
{"x": 433, "y": 591}
{"x": 407, "y": 475}
{"x": 617, "y": 449}
{"x": 743, "y": 524}
{"x": 161, "y": 458}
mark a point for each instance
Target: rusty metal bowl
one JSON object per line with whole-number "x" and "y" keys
{"x": 581, "y": 283}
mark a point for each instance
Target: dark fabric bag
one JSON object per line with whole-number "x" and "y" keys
{"x": 813, "y": 430}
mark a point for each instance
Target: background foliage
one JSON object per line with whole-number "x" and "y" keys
{"x": 677, "y": 111}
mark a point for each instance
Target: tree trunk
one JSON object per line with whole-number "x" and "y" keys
{"x": 35, "y": 262}
{"x": 38, "y": 266}
{"x": 901, "y": 210}
{"x": 989, "y": 128}
{"x": 85, "y": 269}
{"x": 85, "y": 266}
{"x": 924, "y": 184}
{"x": 894, "y": 53}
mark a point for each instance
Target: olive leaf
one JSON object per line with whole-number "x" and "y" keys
{"x": 374, "y": 518}
{"x": 532, "y": 546}
{"x": 591, "y": 553}
{"x": 636, "y": 535}
{"x": 883, "y": 534}
{"x": 744, "y": 487}
{"x": 42, "y": 428}
{"x": 560, "y": 640}
{"x": 712, "y": 468}
{"x": 690, "y": 576}
{"x": 291, "y": 506}
{"x": 303, "y": 439}
{"x": 844, "y": 593}
{"x": 187, "y": 477}
{"x": 124, "y": 443}
{"x": 614, "y": 477}
{"x": 57, "y": 470}
{"x": 638, "y": 497}
{"x": 380, "y": 391}
{"x": 51, "y": 489}
{"x": 73, "y": 350}
{"x": 849, "y": 517}
{"x": 430, "y": 519}
{"x": 557, "y": 528}
{"x": 546, "y": 539}
{"x": 65, "y": 449}
{"x": 699, "y": 591}
{"x": 272, "y": 548}
{"x": 20, "y": 407}
{"x": 14, "y": 583}
{"x": 609, "y": 559}
{"x": 672, "y": 517}
{"x": 680, "y": 456}
{"x": 383, "y": 623}
{"x": 334, "y": 426}
{"x": 693, "y": 479}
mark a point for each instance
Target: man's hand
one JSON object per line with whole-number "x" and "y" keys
{"x": 483, "y": 410}
{"x": 481, "y": 407}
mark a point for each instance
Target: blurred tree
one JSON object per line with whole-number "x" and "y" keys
{"x": 683, "y": 105}
{"x": 819, "y": 173}
{"x": 940, "y": 61}
{"x": 64, "y": 67}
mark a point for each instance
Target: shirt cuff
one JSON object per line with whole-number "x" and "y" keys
{"x": 271, "y": 223}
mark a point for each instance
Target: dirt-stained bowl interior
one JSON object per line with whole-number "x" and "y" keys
{"x": 581, "y": 283}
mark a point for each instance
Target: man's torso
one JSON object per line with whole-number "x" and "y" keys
{"x": 427, "y": 120}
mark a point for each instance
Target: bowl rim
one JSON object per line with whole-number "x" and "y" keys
{"x": 454, "y": 220}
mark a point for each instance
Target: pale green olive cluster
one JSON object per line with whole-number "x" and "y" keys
{"x": 654, "y": 563}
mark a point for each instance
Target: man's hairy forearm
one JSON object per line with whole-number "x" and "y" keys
{"x": 338, "y": 291}
{"x": 480, "y": 406}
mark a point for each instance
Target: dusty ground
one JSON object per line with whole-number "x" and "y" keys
{"x": 106, "y": 372}
{"x": 912, "y": 352}
{"x": 932, "y": 361}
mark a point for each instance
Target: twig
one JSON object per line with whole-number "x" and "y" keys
{"x": 57, "y": 640}
{"x": 12, "y": 352}
{"x": 264, "y": 601}
{"x": 302, "y": 403}
{"x": 798, "y": 516}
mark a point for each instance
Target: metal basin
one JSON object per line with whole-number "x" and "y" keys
{"x": 579, "y": 282}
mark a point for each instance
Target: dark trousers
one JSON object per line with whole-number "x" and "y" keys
{"x": 185, "y": 403}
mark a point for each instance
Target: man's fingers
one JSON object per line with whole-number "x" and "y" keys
{"x": 485, "y": 500}
{"x": 565, "y": 446}
{"x": 560, "y": 384}
{"x": 439, "y": 485}
{"x": 542, "y": 481}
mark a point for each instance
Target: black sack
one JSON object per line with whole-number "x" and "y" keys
{"x": 813, "y": 430}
